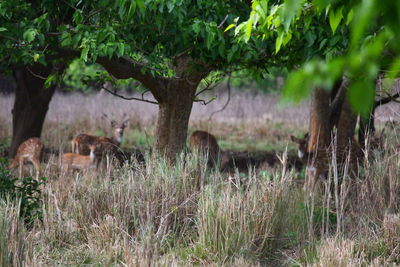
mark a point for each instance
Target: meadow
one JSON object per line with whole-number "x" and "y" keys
{"x": 153, "y": 214}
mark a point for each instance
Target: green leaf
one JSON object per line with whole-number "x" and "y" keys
{"x": 229, "y": 27}
{"x": 140, "y": 4}
{"x": 77, "y": 17}
{"x": 322, "y": 44}
{"x": 132, "y": 9}
{"x": 334, "y": 18}
{"x": 76, "y": 39}
{"x": 65, "y": 39}
{"x": 121, "y": 48}
{"x": 36, "y": 57}
{"x": 289, "y": 11}
{"x": 361, "y": 96}
{"x": 51, "y": 79}
{"x": 362, "y": 20}
{"x": 292, "y": 92}
{"x": 29, "y": 35}
{"x": 110, "y": 51}
{"x": 394, "y": 69}
{"x": 278, "y": 42}
{"x": 170, "y": 6}
{"x": 249, "y": 26}
{"x": 210, "y": 38}
{"x": 196, "y": 27}
{"x": 84, "y": 53}
{"x": 350, "y": 16}
{"x": 310, "y": 37}
{"x": 2, "y": 29}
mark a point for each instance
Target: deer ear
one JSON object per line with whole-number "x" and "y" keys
{"x": 113, "y": 123}
{"x": 294, "y": 139}
{"x": 125, "y": 123}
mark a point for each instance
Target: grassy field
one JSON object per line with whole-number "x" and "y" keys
{"x": 152, "y": 214}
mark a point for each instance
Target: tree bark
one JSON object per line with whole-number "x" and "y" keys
{"x": 319, "y": 131}
{"x": 31, "y": 103}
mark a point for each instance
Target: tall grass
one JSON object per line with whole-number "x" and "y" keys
{"x": 187, "y": 215}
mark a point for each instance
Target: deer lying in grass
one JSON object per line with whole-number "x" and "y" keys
{"x": 318, "y": 162}
{"x": 80, "y": 162}
{"x": 206, "y": 144}
{"x": 31, "y": 151}
{"x": 80, "y": 143}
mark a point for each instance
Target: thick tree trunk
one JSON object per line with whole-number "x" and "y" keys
{"x": 30, "y": 105}
{"x": 173, "y": 119}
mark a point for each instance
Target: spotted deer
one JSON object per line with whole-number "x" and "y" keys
{"x": 80, "y": 162}
{"x": 206, "y": 144}
{"x": 80, "y": 143}
{"x": 31, "y": 151}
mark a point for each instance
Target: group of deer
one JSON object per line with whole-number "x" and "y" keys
{"x": 86, "y": 150}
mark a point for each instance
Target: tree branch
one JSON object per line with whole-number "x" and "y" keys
{"x": 114, "y": 93}
{"x": 387, "y": 99}
{"x": 227, "y": 101}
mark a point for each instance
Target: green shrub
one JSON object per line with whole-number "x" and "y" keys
{"x": 26, "y": 190}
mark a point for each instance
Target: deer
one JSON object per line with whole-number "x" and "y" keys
{"x": 80, "y": 162}
{"x": 31, "y": 150}
{"x": 80, "y": 143}
{"x": 206, "y": 143}
{"x": 317, "y": 162}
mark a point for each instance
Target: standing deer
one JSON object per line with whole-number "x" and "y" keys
{"x": 30, "y": 150}
{"x": 206, "y": 143}
{"x": 80, "y": 162}
{"x": 80, "y": 143}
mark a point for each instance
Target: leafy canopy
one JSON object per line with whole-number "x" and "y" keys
{"x": 326, "y": 38}
{"x": 151, "y": 32}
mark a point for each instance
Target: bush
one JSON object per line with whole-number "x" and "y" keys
{"x": 26, "y": 190}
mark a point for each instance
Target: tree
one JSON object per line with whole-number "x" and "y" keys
{"x": 27, "y": 52}
{"x": 169, "y": 46}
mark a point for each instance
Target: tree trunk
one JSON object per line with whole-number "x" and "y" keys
{"x": 30, "y": 105}
{"x": 319, "y": 120}
{"x": 346, "y": 125}
{"x": 173, "y": 119}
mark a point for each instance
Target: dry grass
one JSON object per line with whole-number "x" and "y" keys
{"x": 187, "y": 215}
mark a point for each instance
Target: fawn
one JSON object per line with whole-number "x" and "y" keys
{"x": 80, "y": 143}
{"x": 206, "y": 143}
{"x": 80, "y": 162}
{"x": 30, "y": 150}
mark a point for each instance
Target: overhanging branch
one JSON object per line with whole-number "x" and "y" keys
{"x": 114, "y": 93}
{"x": 227, "y": 101}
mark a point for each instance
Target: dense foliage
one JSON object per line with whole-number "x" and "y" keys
{"x": 357, "y": 38}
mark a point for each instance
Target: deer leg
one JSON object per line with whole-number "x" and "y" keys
{"x": 21, "y": 164}
{"x": 36, "y": 164}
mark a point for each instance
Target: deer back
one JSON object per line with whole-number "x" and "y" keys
{"x": 81, "y": 143}
{"x": 205, "y": 143}
{"x": 29, "y": 150}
